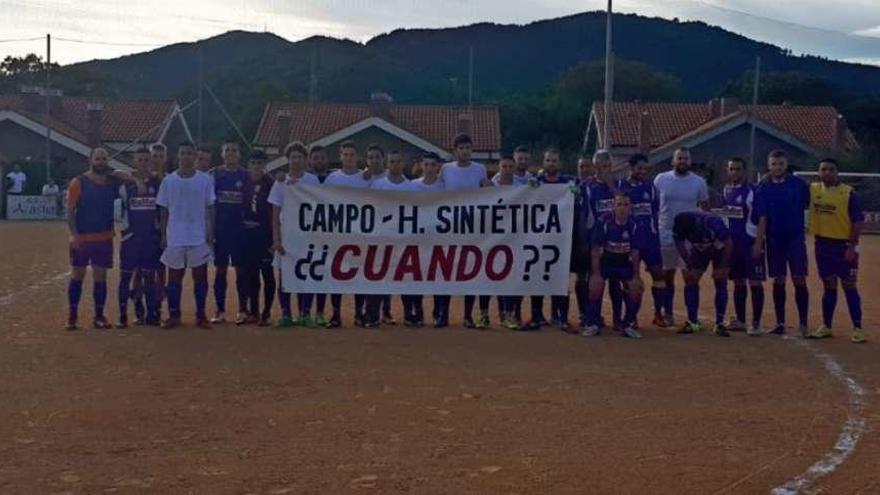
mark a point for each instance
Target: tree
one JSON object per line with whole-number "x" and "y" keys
{"x": 29, "y": 64}
{"x": 780, "y": 87}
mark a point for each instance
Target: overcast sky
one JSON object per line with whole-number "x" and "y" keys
{"x": 112, "y": 28}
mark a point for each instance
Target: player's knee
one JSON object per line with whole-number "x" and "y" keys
{"x": 830, "y": 283}
{"x": 848, "y": 284}
{"x": 739, "y": 283}
{"x": 779, "y": 281}
{"x": 799, "y": 280}
{"x": 78, "y": 273}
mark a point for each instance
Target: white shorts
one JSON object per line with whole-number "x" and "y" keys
{"x": 182, "y": 257}
{"x": 671, "y": 259}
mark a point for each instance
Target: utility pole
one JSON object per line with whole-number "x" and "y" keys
{"x": 757, "y": 84}
{"x": 609, "y": 81}
{"x": 313, "y": 77}
{"x": 48, "y": 107}
{"x": 471, "y": 77}
{"x": 201, "y": 91}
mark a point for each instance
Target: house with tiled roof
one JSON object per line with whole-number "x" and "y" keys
{"x": 77, "y": 124}
{"x": 721, "y": 129}
{"x": 410, "y": 129}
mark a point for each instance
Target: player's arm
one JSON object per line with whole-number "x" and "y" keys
{"x": 276, "y": 230}
{"x": 209, "y": 223}
{"x": 129, "y": 179}
{"x": 683, "y": 251}
{"x": 704, "y": 196}
{"x": 73, "y": 193}
{"x": 163, "y": 225}
{"x": 857, "y": 217}
{"x": 636, "y": 283}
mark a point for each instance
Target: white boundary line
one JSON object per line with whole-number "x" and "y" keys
{"x": 849, "y": 436}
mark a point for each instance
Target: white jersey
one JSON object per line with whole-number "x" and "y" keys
{"x": 276, "y": 194}
{"x": 187, "y": 200}
{"x": 420, "y": 185}
{"x": 385, "y": 184}
{"x": 677, "y": 194}
{"x": 340, "y": 178}
{"x": 457, "y": 178}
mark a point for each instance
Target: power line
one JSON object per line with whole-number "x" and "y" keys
{"x": 109, "y": 43}
{"x": 17, "y": 40}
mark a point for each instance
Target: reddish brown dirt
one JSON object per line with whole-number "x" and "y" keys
{"x": 249, "y": 410}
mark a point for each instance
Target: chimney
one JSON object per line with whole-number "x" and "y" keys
{"x": 380, "y": 105}
{"x": 285, "y": 118}
{"x": 729, "y": 106}
{"x": 838, "y": 144}
{"x": 94, "y": 115}
{"x": 714, "y": 108}
{"x": 465, "y": 124}
{"x": 645, "y": 133}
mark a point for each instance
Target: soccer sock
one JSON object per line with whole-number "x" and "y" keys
{"x": 386, "y": 305}
{"x": 633, "y": 304}
{"x": 615, "y": 292}
{"x": 537, "y": 303}
{"x": 305, "y": 304}
{"x": 359, "y": 305}
{"x": 854, "y": 302}
{"x": 779, "y": 303}
{"x": 99, "y": 292}
{"x": 74, "y": 292}
{"x": 517, "y": 307}
{"x": 740, "y": 294}
{"x": 137, "y": 296}
{"x": 802, "y": 300}
{"x": 200, "y": 291}
{"x": 720, "y": 301}
{"x": 284, "y": 301}
{"x": 692, "y": 301}
{"x": 172, "y": 294}
{"x": 418, "y": 308}
{"x": 123, "y": 294}
{"x": 468, "y": 307}
{"x": 485, "y": 301}
{"x": 593, "y": 312}
{"x": 268, "y": 290}
{"x": 829, "y": 303}
{"x": 320, "y": 303}
{"x": 560, "y": 307}
{"x": 336, "y": 303}
{"x": 220, "y": 291}
{"x": 658, "y": 293}
{"x": 757, "y": 305}
{"x": 670, "y": 296}
{"x": 242, "y": 283}
{"x": 581, "y": 295}
{"x": 253, "y": 292}
{"x": 149, "y": 288}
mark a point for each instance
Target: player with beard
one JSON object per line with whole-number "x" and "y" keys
{"x": 521, "y": 174}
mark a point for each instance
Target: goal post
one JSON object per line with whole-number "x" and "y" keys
{"x": 867, "y": 188}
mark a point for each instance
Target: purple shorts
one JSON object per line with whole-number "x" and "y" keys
{"x": 784, "y": 255}
{"x": 745, "y": 267}
{"x": 830, "y": 262}
{"x": 617, "y": 272}
{"x": 700, "y": 260}
{"x": 97, "y": 254}
{"x": 650, "y": 254}
{"x": 140, "y": 254}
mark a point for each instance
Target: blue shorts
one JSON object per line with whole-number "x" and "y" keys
{"x": 700, "y": 260}
{"x": 650, "y": 254}
{"x": 617, "y": 272}
{"x": 229, "y": 249}
{"x": 745, "y": 267}
{"x": 784, "y": 255}
{"x": 97, "y": 254}
{"x": 830, "y": 262}
{"x": 140, "y": 254}
{"x": 258, "y": 248}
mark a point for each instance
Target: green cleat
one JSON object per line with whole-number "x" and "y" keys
{"x": 320, "y": 321}
{"x": 306, "y": 321}
{"x": 858, "y": 336}
{"x": 822, "y": 332}
{"x": 285, "y": 322}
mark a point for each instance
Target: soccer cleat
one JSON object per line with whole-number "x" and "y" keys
{"x": 203, "y": 323}
{"x": 320, "y": 321}
{"x": 779, "y": 329}
{"x": 469, "y": 323}
{"x": 858, "y": 336}
{"x": 334, "y": 322}
{"x": 754, "y": 331}
{"x": 409, "y": 323}
{"x": 591, "y": 331}
{"x": 736, "y": 326}
{"x": 419, "y": 323}
{"x": 721, "y": 330}
{"x": 822, "y": 332}
{"x": 690, "y": 327}
{"x": 285, "y": 322}
{"x": 569, "y": 328}
{"x": 122, "y": 324}
{"x": 263, "y": 322}
{"x": 241, "y": 319}
{"x": 71, "y": 325}
{"x": 630, "y": 332}
{"x": 387, "y": 319}
{"x": 101, "y": 323}
{"x": 659, "y": 321}
{"x": 170, "y": 323}
{"x": 441, "y": 323}
{"x": 482, "y": 322}
{"x": 531, "y": 326}
{"x": 371, "y": 324}
{"x": 139, "y": 322}
{"x": 307, "y": 321}
{"x": 804, "y": 331}
{"x": 359, "y": 321}
{"x": 219, "y": 318}
{"x": 670, "y": 321}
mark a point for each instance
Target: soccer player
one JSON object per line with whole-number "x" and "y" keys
{"x": 296, "y": 162}
{"x": 679, "y": 190}
{"x": 702, "y": 238}
{"x": 580, "y": 248}
{"x": 160, "y": 167}
{"x": 203, "y": 160}
{"x": 597, "y": 200}
{"x": 520, "y": 173}
{"x": 780, "y": 201}
{"x": 615, "y": 247}
{"x": 645, "y": 208}
{"x": 428, "y": 182}
{"x": 159, "y": 159}
{"x": 464, "y": 174}
{"x": 347, "y": 176}
{"x": 232, "y": 185}
{"x": 559, "y": 305}
{"x": 510, "y": 306}
{"x": 141, "y": 243}
{"x": 836, "y": 221}
{"x": 746, "y": 271}
{"x": 90, "y": 198}
{"x": 187, "y": 226}
{"x": 317, "y": 166}
{"x": 258, "y": 248}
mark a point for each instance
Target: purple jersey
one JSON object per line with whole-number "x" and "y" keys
{"x": 617, "y": 241}
{"x": 702, "y": 230}
{"x": 141, "y": 214}
{"x": 233, "y": 190}
{"x": 783, "y": 203}
{"x": 598, "y": 200}
{"x": 645, "y": 205}
{"x": 258, "y": 214}
{"x": 737, "y": 205}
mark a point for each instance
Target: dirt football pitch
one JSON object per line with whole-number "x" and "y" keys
{"x": 243, "y": 410}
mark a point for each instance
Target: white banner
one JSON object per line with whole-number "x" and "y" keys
{"x": 33, "y": 207}
{"x": 492, "y": 241}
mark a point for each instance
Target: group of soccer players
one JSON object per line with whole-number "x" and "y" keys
{"x": 231, "y": 214}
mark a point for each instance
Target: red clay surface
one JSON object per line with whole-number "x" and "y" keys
{"x": 251, "y": 410}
